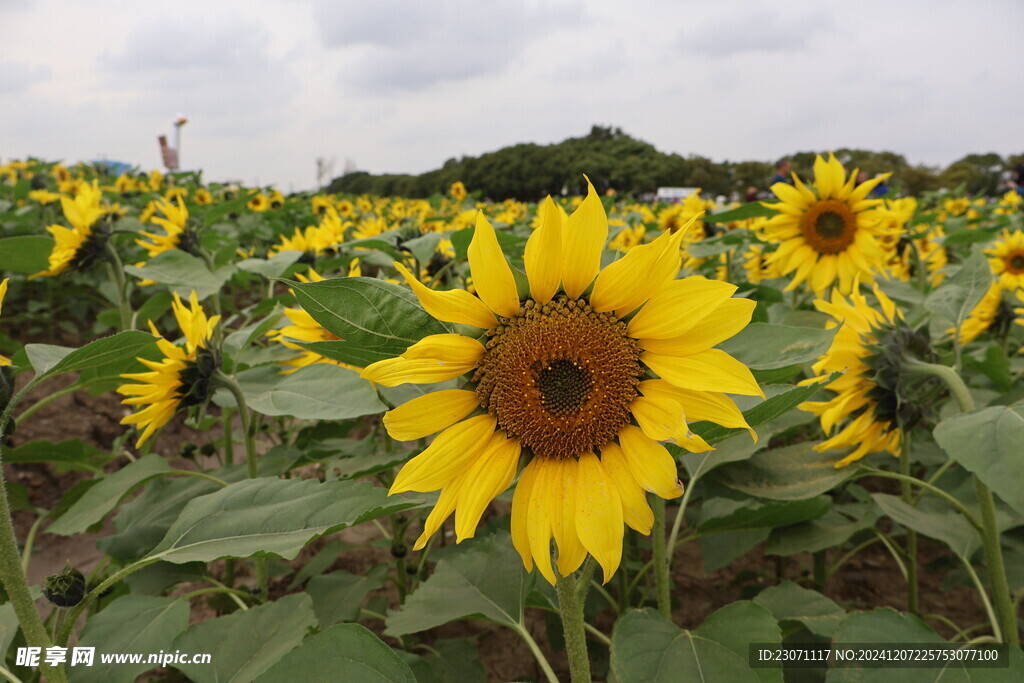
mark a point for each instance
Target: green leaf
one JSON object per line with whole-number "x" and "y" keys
{"x": 183, "y": 273}
{"x": 131, "y": 623}
{"x": 737, "y": 625}
{"x": 970, "y": 236}
{"x": 726, "y": 514}
{"x": 767, "y": 346}
{"x": 740, "y": 213}
{"x": 371, "y": 314}
{"x": 934, "y": 520}
{"x": 94, "y": 505}
{"x": 778, "y": 404}
{"x": 8, "y": 627}
{"x": 339, "y": 596}
{"x": 272, "y": 267}
{"x": 789, "y": 602}
{"x": 454, "y": 660}
{"x": 886, "y": 625}
{"x": 646, "y": 647}
{"x": 955, "y": 298}
{"x": 717, "y": 550}
{"x": 25, "y": 254}
{"x": 987, "y": 443}
{"x": 246, "y": 643}
{"x": 321, "y": 391}
{"x": 271, "y": 517}
{"x": 792, "y": 472}
{"x": 831, "y": 531}
{"x": 49, "y": 361}
{"x": 343, "y": 652}
{"x": 485, "y": 579}
{"x": 348, "y": 352}
{"x": 74, "y": 454}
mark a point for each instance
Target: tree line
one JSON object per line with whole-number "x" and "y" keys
{"x": 614, "y": 160}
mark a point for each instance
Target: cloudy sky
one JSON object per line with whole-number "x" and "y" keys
{"x": 402, "y": 85}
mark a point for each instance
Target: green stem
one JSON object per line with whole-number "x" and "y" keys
{"x": 229, "y": 437}
{"x": 677, "y": 523}
{"x": 198, "y": 475}
{"x": 993, "y": 619}
{"x": 960, "y": 507}
{"x": 660, "y": 562}
{"x": 26, "y": 550}
{"x": 524, "y": 633}
{"x": 49, "y": 398}
{"x": 820, "y": 560}
{"x": 12, "y": 573}
{"x": 117, "y": 270}
{"x": 1003, "y": 603}
{"x": 65, "y": 631}
{"x": 571, "y": 598}
{"x": 907, "y": 493}
{"x": 246, "y": 417}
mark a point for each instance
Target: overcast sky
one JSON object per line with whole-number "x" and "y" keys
{"x": 403, "y": 85}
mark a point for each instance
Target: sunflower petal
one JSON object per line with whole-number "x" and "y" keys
{"x": 651, "y": 464}
{"x": 429, "y": 414}
{"x": 488, "y": 477}
{"x": 543, "y": 254}
{"x": 627, "y": 283}
{"x": 721, "y": 324}
{"x": 446, "y": 457}
{"x": 635, "y": 510}
{"x": 443, "y": 509}
{"x": 492, "y": 275}
{"x": 452, "y": 306}
{"x": 585, "y": 234}
{"x": 678, "y": 307}
{"x": 598, "y": 513}
{"x": 571, "y": 552}
{"x": 545, "y": 489}
{"x": 711, "y": 370}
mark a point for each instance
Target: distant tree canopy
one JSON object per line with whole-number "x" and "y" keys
{"x": 613, "y": 159}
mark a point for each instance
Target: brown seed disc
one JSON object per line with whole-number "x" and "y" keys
{"x": 829, "y": 226}
{"x": 559, "y": 377}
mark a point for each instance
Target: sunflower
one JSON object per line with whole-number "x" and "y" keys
{"x": 320, "y": 203}
{"x": 584, "y": 378}
{"x": 3, "y": 292}
{"x": 870, "y": 399}
{"x": 183, "y": 377}
{"x": 173, "y": 221}
{"x": 259, "y": 202}
{"x": 81, "y": 245}
{"x": 1006, "y": 257}
{"x": 458, "y": 191}
{"x": 983, "y": 316}
{"x": 828, "y": 230}
{"x": 304, "y": 328}
{"x": 202, "y": 197}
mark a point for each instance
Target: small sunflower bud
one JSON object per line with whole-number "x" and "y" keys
{"x": 65, "y": 589}
{"x": 399, "y": 550}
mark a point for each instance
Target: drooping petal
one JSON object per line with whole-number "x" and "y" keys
{"x": 446, "y": 457}
{"x": 650, "y": 463}
{"x": 488, "y": 477}
{"x": 442, "y": 510}
{"x": 585, "y": 234}
{"x": 545, "y": 491}
{"x": 711, "y": 370}
{"x": 598, "y": 513}
{"x": 429, "y": 414}
{"x": 627, "y": 283}
{"x": 543, "y": 254}
{"x": 700, "y": 405}
{"x": 492, "y": 275}
{"x": 660, "y": 418}
{"x": 635, "y": 510}
{"x": 678, "y": 307}
{"x": 520, "y": 514}
{"x": 571, "y": 552}
{"x": 452, "y": 306}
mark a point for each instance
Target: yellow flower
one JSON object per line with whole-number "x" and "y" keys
{"x": 982, "y": 316}
{"x": 182, "y": 377}
{"x": 320, "y": 204}
{"x": 305, "y": 329}
{"x": 458, "y": 191}
{"x": 43, "y": 196}
{"x": 202, "y": 196}
{"x": 1006, "y": 258}
{"x": 867, "y": 349}
{"x": 175, "y": 217}
{"x": 568, "y": 378}
{"x": 259, "y": 202}
{"x": 80, "y": 245}
{"x": 828, "y": 230}
{"x": 276, "y": 199}
{"x": 3, "y": 292}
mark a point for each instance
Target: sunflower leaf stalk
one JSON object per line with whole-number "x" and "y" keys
{"x": 661, "y": 577}
{"x": 572, "y": 596}
{"x": 120, "y": 283}
{"x": 1004, "y": 606}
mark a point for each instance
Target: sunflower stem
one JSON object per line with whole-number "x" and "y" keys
{"x": 660, "y": 558}
{"x": 1002, "y": 601}
{"x": 572, "y": 595}
{"x": 12, "y": 574}
{"x": 907, "y": 493}
{"x": 117, "y": 272}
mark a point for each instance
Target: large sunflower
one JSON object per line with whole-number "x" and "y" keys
{"x": 827, "y": 230}
{"x": 584, "y": 379}
{"x": 1006, "y": 257}
{"x": 182, "y": 377}
{"x": 870, "y": 401}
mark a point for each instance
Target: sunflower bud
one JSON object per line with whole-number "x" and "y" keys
{"x": 65, "y": 589}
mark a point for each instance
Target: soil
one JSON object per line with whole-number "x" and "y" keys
{"x": 871, "y": 579}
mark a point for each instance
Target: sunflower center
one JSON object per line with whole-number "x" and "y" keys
{"x": 829, "y": 226}
{"x": 559, "y": 377}
{"x": 1016, "y": 264}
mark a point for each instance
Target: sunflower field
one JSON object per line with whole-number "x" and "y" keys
{"x": 328, "y": 437}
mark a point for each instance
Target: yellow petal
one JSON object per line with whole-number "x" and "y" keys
{"x": 520, "y": 513}
{"x": 571, "y": 552}
{"x": 446, "y": 457}
{"x": 700, "y": 405}
{"x": 430, "y": 413}
{"x": 711, "y": 370}
{"x": 543, "y": 254}
{"x": 635, "y": 510}
{"x": 651, "y": 464}
{"x": 585, "y": 234}
{"x": 627, "y": 283}
{"x": 660, "y": 418}
{"x": 488, "y": 477}
{"x": 721, "y": 324}
{"x": 443, "y": 509}
{"x": 545, "y": 490}
{"x": 492, "y": 276}
{"x": 598, "y": 513}
{"x": 452, "y": 306}
{"x": 678, "y": 307}
{"x": 434, "y": 358}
